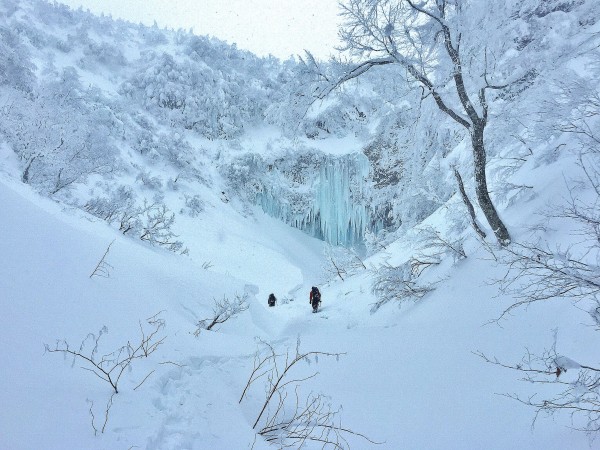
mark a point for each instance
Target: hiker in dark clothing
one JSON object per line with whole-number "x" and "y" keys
{"x": 272, "y": 300}
{"x": 315, "y": 298}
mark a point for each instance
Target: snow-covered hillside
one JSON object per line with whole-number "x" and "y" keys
{"x": 148, "y": 181}
{"x": 407, "y": 378}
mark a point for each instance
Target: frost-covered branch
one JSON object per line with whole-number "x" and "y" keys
{"x": 402, "y": 283}
{"x": 578, "y": 386}
{"x": 355, "y": 73}
{"x": 398, "y": 284}
{"x": 537, "y": 273}
{"x": 419, "y": 37}
{"x": 341, "y": 262}
{"x": 152, "y": 222}
{"x": 223, "y": 310}
{"x": 435, "y": 246}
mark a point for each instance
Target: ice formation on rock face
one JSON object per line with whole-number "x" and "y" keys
{"x": 332, "y": 206}
{"x": 340, "y": 200}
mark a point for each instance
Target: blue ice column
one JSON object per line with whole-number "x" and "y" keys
{"x": 338, "y": 213}
{"x": 340, "y": 209}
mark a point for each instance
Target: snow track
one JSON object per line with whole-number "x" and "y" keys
{"x": 187, "y": 400}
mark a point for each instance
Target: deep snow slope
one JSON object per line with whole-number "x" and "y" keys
{"x": 48, "y": 254}
{"x": 407, "y": 378}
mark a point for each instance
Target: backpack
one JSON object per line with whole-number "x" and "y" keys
{"x": 316, "y": 295}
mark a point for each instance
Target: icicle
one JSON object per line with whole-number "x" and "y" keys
{"x": 338, "y": 213}
{"x": 340, "y": 191}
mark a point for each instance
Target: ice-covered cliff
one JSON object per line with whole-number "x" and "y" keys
{"x": 324, "y": 195}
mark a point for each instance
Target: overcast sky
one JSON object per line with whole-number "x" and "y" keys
{"x": 278, "y": 27}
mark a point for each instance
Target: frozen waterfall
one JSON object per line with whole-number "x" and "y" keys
{"x": 331, "y": 205}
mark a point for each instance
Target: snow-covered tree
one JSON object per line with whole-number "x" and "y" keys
{"x": 16, "y": 68}
{"x": 426, "y": 40}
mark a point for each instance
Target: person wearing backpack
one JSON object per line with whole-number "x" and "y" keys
{"x": 315, "y": 298}
{"x": 272, "y": 300}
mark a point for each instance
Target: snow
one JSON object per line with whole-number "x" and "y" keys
{"x": 336, "y": 146}
{"x": 408, "y": 377}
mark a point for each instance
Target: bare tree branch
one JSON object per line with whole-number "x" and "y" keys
{"x": 284, "y": 418}
{"x": 111, "y": 366}
{"x": 223, "y": 310}
{"x": 102, "y": 269}
{"x": 469, "y": 205}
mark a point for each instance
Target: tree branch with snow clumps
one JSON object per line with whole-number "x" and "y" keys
{"x": 223, "y": 310}
{"x": 579, "y": 386}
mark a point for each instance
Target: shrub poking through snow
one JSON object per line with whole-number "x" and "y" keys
{"x": 223, "y": 310}
{"x": 151, "y": 222}
{"x": 111, "y": 366}
{"x": 398, "y": 284}
{"x": 290, "y": 419}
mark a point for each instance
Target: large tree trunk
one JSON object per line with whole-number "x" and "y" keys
{"x": 483, "y": 196}
{"x": 368, "y": 21}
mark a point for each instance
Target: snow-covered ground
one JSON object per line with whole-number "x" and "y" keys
{"x": 408, "y": 378}
{"x": 404, "y": 377}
